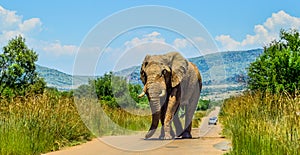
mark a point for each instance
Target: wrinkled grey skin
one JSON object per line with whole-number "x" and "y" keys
{"x": 170, "y": 82}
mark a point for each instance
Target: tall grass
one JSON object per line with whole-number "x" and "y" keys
{"x": 39, "y": 123}
{"x": 103, "y": 120}
{"x": 262, "y": 124}
{"x": 42, "y": 123}
{"x": 36, "y": 124}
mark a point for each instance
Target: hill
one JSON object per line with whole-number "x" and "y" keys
{"x": 212, "y": 67}
{"x": 58, "y": 79}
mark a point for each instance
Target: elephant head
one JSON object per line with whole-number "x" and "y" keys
{"x": 160, "y": 74}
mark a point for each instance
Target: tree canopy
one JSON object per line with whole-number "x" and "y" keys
{"x": 113, "y": 91}
{"x": 278, "y": 68}
{"x": 17, "y": 69}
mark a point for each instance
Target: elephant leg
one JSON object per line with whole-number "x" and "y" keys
{"x": 162, "y": 120}
{"x": 170, "y": 112}
{"x": 177, "y": 124}
{"x": 190, "y": 110}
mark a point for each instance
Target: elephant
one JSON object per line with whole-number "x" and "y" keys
{"x": 170, "y": 82}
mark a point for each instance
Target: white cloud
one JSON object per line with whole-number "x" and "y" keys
{"x": 12, "y": 25}
{"x": 263, "y": 33}
{"x": 153, "y": 37}
{"x": 153, "y": 34}
{"x": 199, "y": 40}
{"x": 58, "y": 49}
{"x": 9, "y": 19}
{"x": 227, "y": 42}
{"x": 180, "y": 43}
{"x": 30, "y": 24}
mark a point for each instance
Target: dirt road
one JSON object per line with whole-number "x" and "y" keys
{"x": 206, "y": 141}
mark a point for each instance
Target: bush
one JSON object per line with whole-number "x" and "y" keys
{"x": 203, "y": 105}
{"x": 113, "y": 91}
{"x": 278, "y": 68}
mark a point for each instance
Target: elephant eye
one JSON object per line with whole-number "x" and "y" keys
{"x": 143, "y": 73}
{"x": 164, "y": 72}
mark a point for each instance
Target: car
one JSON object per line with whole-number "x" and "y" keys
{"x": 213, "y": 120}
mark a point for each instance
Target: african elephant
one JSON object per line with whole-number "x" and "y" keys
{"x": 170, "y": 82}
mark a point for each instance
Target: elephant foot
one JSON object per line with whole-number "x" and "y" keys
{"x": 167, "y": 133}
{"x": 179, "y": 134}
{"x": 167, "y": 136}
{"x": 162, "y": 136}
{"x": 186, "y": 135}
{"x": 149, "y": 134}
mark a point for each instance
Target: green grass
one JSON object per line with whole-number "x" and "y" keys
{"x": 39, "y": 123}
{"x": 42, "y": 123}
{"x": 196, "y": 122}
{"x": 262, "y": 124}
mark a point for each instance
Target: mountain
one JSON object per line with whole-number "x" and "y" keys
{"x": 60, "y": 80}
{"x": 223, "y": 68}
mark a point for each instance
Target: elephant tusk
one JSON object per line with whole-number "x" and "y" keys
{"x": 163, "y": 93}
{"x": 142, "y": 94}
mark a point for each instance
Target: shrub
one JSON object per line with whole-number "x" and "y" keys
{"x": 278, "y": 68}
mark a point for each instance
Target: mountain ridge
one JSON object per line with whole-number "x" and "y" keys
{"x": 233, "y": 64}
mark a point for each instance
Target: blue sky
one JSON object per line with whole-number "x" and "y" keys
{"x": 55, "y": 29}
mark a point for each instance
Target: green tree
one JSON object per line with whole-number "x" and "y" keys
{"x": 203, "y": 104}
{"x": 17, "y": 69}
{"x": 113, "y": 91}
{"x": 103, "y": 87}
{"x": 278, "y": 68}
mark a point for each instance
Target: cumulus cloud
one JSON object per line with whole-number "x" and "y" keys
{"x": 9, "y": 19}
{"x": 30, "y": 24}
{"x": 153, "y": 37}
{"x": 12, "y": 24}
{"x": 153, "y": 34}
{"x": 227, "y": 42}
{"x": 58, "y": 49}
{"x": 263, "y": 33}
{"x": 180, "y": 43}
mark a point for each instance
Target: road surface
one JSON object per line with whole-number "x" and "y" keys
{"x": 207, "y": 141}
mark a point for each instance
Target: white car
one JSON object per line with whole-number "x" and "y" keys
{"x": 213, "y": 120}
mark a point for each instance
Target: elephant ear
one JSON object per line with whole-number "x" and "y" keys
{"x": 178, "y": 65}
{"x": 142, "y": 71}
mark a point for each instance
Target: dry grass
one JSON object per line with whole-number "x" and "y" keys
{"x": 39, "y": 123}
{"x": 262, "y": 124}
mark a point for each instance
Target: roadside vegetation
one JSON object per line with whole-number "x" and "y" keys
{"x": 38, "y": 123}
{"x": 265, "y": 119}
{"x": 35, "y": 119}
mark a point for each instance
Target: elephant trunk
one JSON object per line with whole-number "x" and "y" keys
{"x": 155, "y": 108}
